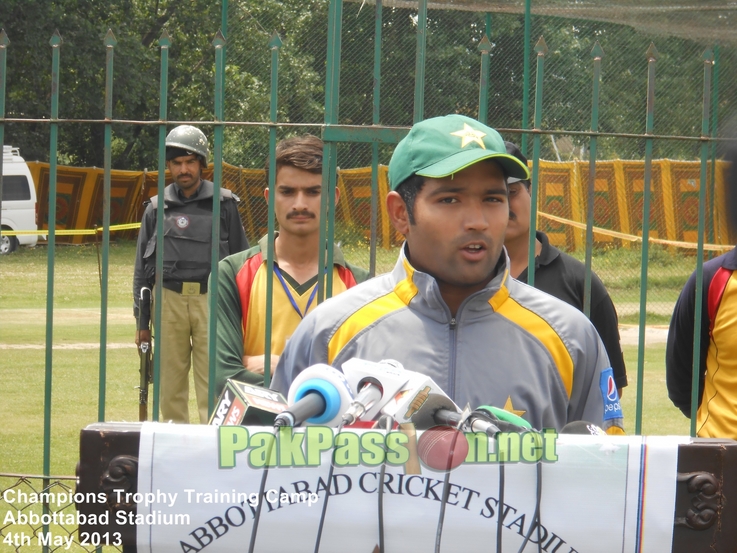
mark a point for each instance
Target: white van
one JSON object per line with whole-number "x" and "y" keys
{"x": 19, "y": 209}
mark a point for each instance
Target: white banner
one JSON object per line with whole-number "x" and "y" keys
{"x": 197, "y": 491}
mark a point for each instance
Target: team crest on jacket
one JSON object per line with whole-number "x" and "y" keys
{"x": 609, "y": 394}
{"x": 182, "y": 221}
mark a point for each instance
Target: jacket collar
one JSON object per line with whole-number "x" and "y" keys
{"x": 171, "y": 193}
{"x": 730, "y": 260}
{"x": 411, "y": 283}
{"x": 338, "y": 258}
{"x": 548, "y": 253}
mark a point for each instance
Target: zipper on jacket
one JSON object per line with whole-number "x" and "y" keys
{"x": 452, "y": 358}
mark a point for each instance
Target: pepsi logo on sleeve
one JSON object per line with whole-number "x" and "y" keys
{"x": 612, "y": 407}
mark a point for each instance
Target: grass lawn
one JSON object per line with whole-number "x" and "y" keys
{"x": 76, "y": 356}
{"x": 75, "y": 375}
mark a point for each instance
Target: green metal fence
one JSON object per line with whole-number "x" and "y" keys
{"x": 566, "y": 85}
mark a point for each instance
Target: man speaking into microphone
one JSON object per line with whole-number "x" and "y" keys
{"x": 449, "y": 309}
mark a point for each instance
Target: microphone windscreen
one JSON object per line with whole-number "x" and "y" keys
{"x": 582, "y": 427}
{"x": 331, "y": 385}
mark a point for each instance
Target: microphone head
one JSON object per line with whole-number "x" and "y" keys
{"x": 330, "y": 384}
{"x": 418, "y": 401}
{"x": 583, "y": 427}
{"x": 424, "y": 418}
{"x": 389, "y": 374}
{"x": 506, "y": 416}
{"x": 242, "y": 403}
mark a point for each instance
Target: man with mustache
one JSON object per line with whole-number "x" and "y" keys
{"x": 558, "y": 273}
{"x": 449, "y": 309}
{"x": 243, "y": 277}
{"x": 187, "y": 243}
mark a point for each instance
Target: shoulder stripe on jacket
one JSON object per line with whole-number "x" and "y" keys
{"x": 537, "y": 326}
{"x": 398, "y": 298}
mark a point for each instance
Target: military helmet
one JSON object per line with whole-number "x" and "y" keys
{"x": 189, "y": 138}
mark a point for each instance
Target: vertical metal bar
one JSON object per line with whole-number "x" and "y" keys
{"x": 708, "y": 58}
{"x": 4, "y": 42}
{"x": 419, "y": 113}
{"x": 596, "y": 53}
{"x": 164, "y": 43}
{"x": 526, "y": 76}
{"x": 485, "y": 49}
{"x": 274, "y": 44}
{"x": 714, "y": 127}
{"x": 330, "y": 152}
{"x": 652, "y": 56}
{"x": 541, "y": 48}
{"x": 212, "y": 320}
{"x": 376, "y": 119}
{"x": 224, "y": 18}
{"x": 110, "y": 43}
{"x": 224, "y": 31}
{"x": 55, "y": 43}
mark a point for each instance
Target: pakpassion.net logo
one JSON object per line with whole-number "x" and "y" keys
{"x": 439, "y": 448}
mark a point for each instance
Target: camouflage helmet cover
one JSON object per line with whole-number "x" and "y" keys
{"x": 188, "y": 138}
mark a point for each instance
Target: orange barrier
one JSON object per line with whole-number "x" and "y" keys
{"x": 618, "y": 198}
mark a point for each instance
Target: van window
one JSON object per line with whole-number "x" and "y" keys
{"x": 15, "y": 188}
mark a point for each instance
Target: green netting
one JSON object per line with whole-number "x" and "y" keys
{"x": 680, "y": 31}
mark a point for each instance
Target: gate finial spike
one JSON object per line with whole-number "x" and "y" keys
{"x": 541, "y": 48}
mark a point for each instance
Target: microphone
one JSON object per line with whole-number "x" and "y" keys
{"x": 373, "y": 384}
{"x": 583, "y": 427}
{"x": 419, "y": 401}
{"x": 476, "y": 421}
{"x": 243, "y": 404}
{"x": 319, "y": 395}
{"x": 505, "y": 420}
{"x": 370, "y": 393}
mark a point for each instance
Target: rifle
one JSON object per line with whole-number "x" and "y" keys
{"x": 145, "y": 351}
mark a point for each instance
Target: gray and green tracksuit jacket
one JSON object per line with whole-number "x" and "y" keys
{"x": 509, "y": 345}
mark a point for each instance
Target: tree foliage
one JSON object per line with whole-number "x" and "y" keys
{"x": 452, "y": 75}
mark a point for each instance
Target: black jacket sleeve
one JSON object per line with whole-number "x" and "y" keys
{"x": 237, "y": 241}
{"x": 605, "y": 320}
{"x": 148, "y": 223}
{"x": 679, "y": 348}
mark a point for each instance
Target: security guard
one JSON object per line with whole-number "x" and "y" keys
{"x": 187, "y": 247}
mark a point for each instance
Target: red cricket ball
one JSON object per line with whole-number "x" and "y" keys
{"x": 435, "y": 445}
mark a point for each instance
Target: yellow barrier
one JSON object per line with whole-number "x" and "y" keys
{"x": 72, "y": 232}
{"x": 632, "y": 238}
{"x": 618, "y": 199}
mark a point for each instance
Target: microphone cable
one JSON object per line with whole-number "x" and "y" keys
{"x": 500, "y": 505}
{"x": 446, "y": 492}
{"x": 536, "y": 515}
{"x": 388, "y": 421}
{"x": 327, "y": 492}
{"x": 261, "y": 492}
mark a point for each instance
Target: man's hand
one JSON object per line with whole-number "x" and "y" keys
{"x": 255, "y": 363}
{"x": 143, "y": 336}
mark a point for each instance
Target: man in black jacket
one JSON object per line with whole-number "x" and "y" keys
{"x": 187, "y": 252}
{"x": 558, "y": 273}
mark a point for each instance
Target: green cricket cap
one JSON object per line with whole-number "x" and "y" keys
{"x": 442, "y": 146}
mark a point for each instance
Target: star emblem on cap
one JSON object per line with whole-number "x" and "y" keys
{"x": 469, "y": 134}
